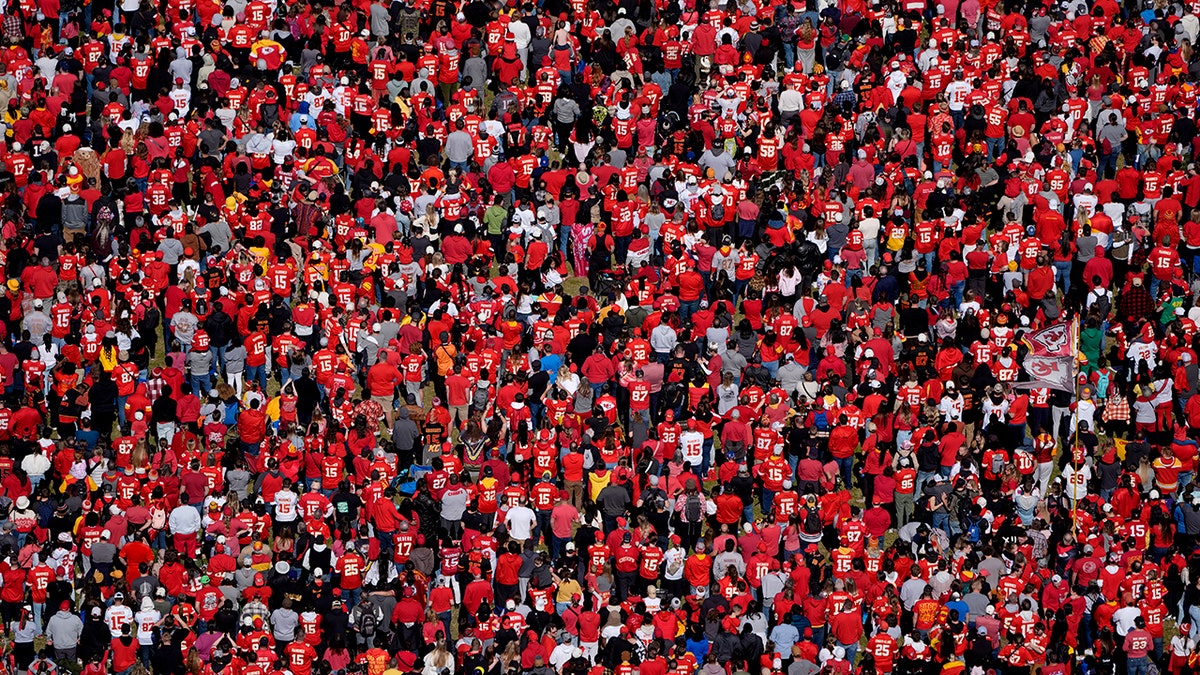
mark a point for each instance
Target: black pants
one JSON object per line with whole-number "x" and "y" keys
{"x": 624, "y": 584}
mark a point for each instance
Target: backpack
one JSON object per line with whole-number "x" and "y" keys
{"x": 104, "y": 224}
{"x": 821, "y": 420}
{"x": 997, "y": 464}
{"x": 481, "y": 398}
{"x": 1102, "y": 385}
{"x": 693, "y": 510}
{"x": 367, "y": 623}
{"x": 718, "y": 211}
{"x": 812, "y": 522}
{"x": 973, "y": 530}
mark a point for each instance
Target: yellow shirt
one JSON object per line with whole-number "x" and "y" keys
{"x": 597, "y": 482}
{"x": 567, "y": 589}
{"x": 108, "y": 358}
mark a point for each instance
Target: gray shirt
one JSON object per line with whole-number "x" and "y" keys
{"x": 476, "y": 69}
{"x": 1111, "y": 128}
{"x": 238, "y": 480}
{"x": 613, "y": 501}
{"x": 454, "y": 503}
{"x": 976, "y": 605}
{"x": 284, "y": 622}
{"x": 219, "y": 234}
{"x": 184, "y": 325}
{"x": 181, "y": 67}
{"x": 380, "y": 21}
{"x": 172, "y": 250}
{"x": 566, "y": 110}
{"x": 235, "y": 359}
{"x": 719, "y": 161}
{"x": 199, "y": 363}
{"x": 1087, "y": 248}
{"x": 104, "y": 552}
{"x": 460, "y": 147}
{"x": 911, "y": 592}
{"x": 143, "y": 586}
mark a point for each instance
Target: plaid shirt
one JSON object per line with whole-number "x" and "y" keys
{"x": 1116, "y": 410}
{"x": 154, "y": 388}
{"x": 1135, "y": 303}
{"x": 14, "y": 28}
{"x": 305, "y": 215}
{"x": 844, "y": 97}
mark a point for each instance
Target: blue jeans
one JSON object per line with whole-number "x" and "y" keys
{"x": 556, "y": 544}
{"x": 922, "y": 478}
{"x": 257, "y": 374}
{"x": 956, "y": 292}
{"x": 218, "y": 364}
{"x": 994, "y": 147}
{"x": 201, "y": 384}
{"x": 941, "y": 521}
{"x": 851, "y": 652}
{"x": 1108, "y": 162}
{"x": 1062, "y": 275}
{"x": 846, "y": 467}
{"x": 1137, "y": 666}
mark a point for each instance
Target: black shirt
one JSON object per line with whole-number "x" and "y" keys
{"x": 346, "y": 504}
{"x": 164, "y": 410}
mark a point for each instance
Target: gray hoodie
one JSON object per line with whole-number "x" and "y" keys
{"x": 235, "y": 359}
{"x": 404, "y": 432}
{"x": 74, "y": 213}
{"x": 64, "y": 629}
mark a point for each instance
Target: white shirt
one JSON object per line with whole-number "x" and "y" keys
{"x": 692, "y": 444}
{"x": 956, "y": 94}
{"x": 117, "y": 616}
{"x": 670, "y": 557}
{"x": 520, "y": 32}
{"x": 285, "y": 506}
{"x": 145, "y": 626}
{"x": 1076, "y": 481}
{"x": 184, "y": 519}
{"x": 952, "y": 408}
{"x": 280, "y": 149}
{"x": 1123, "y": 619}
{"x": 520, "y": 522}
{"x": 790, "y": 101}
{"x": 182, "y": 99}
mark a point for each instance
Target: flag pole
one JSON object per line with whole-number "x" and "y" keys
{"x": 1075, "y": 447}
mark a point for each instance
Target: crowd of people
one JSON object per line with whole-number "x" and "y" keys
{"x": 599, "y": 337}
